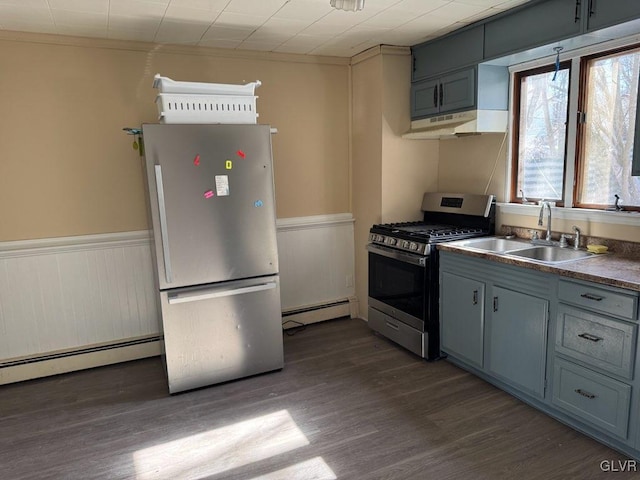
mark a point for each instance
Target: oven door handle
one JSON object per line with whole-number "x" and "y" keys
{"x": 413, "y": 259}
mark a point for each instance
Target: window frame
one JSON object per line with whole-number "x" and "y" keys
{"x": 581, "y": 127}
{"x": 573, "y": 163}
{"x": 515, "y": 137}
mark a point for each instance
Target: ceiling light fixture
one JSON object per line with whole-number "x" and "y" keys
{"x": 348, "y": 5}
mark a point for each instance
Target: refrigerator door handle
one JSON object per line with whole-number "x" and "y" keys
{"x": 218, "y": 293}
{"x": 164, "y": 234}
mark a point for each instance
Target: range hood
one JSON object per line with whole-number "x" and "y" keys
{"x": 472, "y": 122}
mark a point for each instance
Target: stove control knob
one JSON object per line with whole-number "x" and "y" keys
{"x": 390, "y": 241}
{"x": 413, "y": 246}
{"x": 405, "y": 244}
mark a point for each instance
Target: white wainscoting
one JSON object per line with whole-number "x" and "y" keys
{"x": 317, "y": 267}
{"x": 79, "y": 302}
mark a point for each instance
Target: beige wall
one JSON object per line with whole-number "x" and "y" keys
{"x": 466, "y": 164}
{"x": 366, "y": 163}
{"x": 409, "y": 167}
{"x": 389, "y": 174}
{"x": 68, "y": 169}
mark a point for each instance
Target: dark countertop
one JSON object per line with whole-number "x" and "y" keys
{"x": 614, "y": 269}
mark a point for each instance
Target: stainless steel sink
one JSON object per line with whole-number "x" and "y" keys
{"x": 493, "y": 244}
{"x": 551, "y": 255}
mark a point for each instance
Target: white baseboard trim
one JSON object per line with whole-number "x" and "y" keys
{"x": 320, "y": 313}
{"x": 80, "y": 361}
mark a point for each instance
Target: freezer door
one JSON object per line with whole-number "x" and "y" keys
{"x": 217, "y": 333}
{"x": 212, "y": 202}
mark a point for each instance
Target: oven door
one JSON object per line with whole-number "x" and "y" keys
{"x": 397, "y": 284}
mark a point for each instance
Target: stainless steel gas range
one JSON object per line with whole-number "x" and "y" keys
{"x": 403, "y": 267}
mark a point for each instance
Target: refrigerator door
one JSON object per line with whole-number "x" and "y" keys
{"x": 212, "y": 202}
{"x": 221, "y": 332}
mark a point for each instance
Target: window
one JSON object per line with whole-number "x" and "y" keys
{"x": 541, "y": 133}
{"x": 599, "y": 167}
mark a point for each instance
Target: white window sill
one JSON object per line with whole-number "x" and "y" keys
{"x": 581, "y": 214}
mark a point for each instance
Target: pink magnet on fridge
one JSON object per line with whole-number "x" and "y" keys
{"x": 196, "y": 160}
{"x": 240, "y": 153}
{"x": 208, "y": 194}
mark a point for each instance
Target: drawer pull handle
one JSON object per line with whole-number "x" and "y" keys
{"x": 495, "y": 304}
{"x": 475, "y": 297}
{"x": 591, "y": 296}
{"x": 584, "y": 393}
{"x": 392, "y": 326}
{"x": 588, "y": 336}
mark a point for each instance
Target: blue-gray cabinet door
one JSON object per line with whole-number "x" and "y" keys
{"x": 605, "y": 13}
{"x": 451, "y": 52}
{"x": 462, "y": 318}
{"x": 517, "y": 339}
{"x": 457, "y": 91}
{"x": 533, "y": 25}
{"x": 424, "y": 98}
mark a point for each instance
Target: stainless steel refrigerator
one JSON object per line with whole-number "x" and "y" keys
{"x": 212, "y": 207}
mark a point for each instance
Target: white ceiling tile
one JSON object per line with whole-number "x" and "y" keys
{"x": 68, "y": 17}
{"x": 262, "y": 7}
{"x": 179, "y": 13}
{"x": 82, "y": 30}
{"x": 137, "y": 8}
{"x": 231, "y": 44}
{"x": 390, "y": 19}
{"x": 88, "y": 6}
{"x": 284, "y": 25}
{"x": 140, "y": 24}
{"x": 127, "y": 34}
{"x": 26, "y": 3}
{"x": 420, "y": 7}
{"x": 215, "y": 32}
{"x": 509, "y": 4}
{"x": 261, "y": 46}
{"x": 211, "y": 5}
{"x": 456, "y": 11}
{"x": 267, "y": 36}
{"x": 180, "y": 32}
{"x": 229, "y": 19}
{"x": 301, "y": 10}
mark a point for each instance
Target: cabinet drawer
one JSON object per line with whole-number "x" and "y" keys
{"x": 603, "y": 342}
{"x": 410, "y": 338}
{"x": 594, "y": 398}
{"x": 598, "y": 299}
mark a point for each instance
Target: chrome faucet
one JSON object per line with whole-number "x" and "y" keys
{"x": 576, "y": 238}
{"x": 542, "y": 205}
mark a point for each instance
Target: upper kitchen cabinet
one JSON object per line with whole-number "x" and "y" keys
{"x": 480, "y": 87}
{"x": 533, "y": 25}
{"x": 448, "y": 93}
{"x": 599, "y": 14}
{"x": 635, "y": 166}
{"x": 452, "y": 52}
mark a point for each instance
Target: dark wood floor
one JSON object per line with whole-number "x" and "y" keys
{"x": 348, "y": 405}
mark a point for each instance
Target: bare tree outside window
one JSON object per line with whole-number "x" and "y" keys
{"x": 542, "y": 132}
{"x": 611, "y": 99}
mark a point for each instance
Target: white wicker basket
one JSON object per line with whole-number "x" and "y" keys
{"x": 189, "y": 108}
{"x": 166, "y": 85}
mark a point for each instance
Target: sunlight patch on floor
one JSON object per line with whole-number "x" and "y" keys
{"x": 222, "y": 449}
{"x": 314, "y": 469}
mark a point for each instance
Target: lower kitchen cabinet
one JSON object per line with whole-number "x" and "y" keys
{"x": 516, "y": 339}
{"x": 462, "y": 303}
{"x": 567, "y": 347}
{"x": 499, "y": 331}
{"x": 597, "y": 399}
